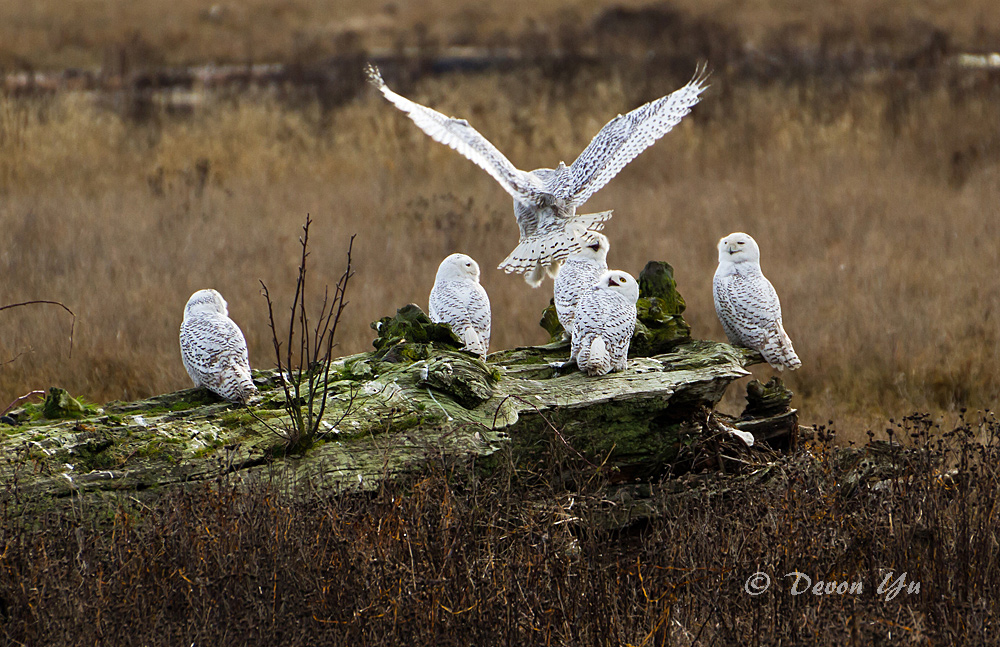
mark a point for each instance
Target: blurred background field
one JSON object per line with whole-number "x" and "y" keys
{"x": 853, "y": 141}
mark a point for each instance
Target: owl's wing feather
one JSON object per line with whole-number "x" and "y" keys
{"x": 465, "y": 306}
{"x": 750, "y": 312}
{"x": 480, "y": 314}
{"x": 214, "y": 352}
{"x": 459, "y": 135}
{"x": 206, "y": 339}
{"x": 623, "y": 138}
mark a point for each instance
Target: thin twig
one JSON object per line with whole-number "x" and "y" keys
{"x": 20, "y": 399}
{"x": 72, "y": 326}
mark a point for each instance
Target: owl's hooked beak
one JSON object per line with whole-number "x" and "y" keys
{"x": 612, "y": 282}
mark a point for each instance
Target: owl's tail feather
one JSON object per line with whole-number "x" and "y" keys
{"x": 779, "y": 353}
{"x": 473, "y": 342}
{"x": 239, "y": 386}
{"x": 542, "y": 254}
{"x": 597, "y": 362}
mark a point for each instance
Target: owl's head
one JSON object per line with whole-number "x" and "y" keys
{"x": 621, "y": 282}
{"x": 738, "y": 248}
{"x": 206, "y": 301}
{"x": 458, "y": 267}
{"x": 593, "y": 246}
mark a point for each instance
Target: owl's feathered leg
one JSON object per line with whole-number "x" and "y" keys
{"x": 535, "y": 276}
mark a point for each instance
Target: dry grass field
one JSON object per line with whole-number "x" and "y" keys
{"x": 46, "y": 34}
{"x": 447, "y": 558}
{"x": 876, "y": 203}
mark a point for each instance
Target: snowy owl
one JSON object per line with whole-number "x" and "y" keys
{"x": 579, "y": 273}
{"x": 604, "y": 323}
{"x": 213, "y": 348}
{"x": 747, "y": 304}
{"x": 545, "y": 200}
{"x": 459, "y": 300}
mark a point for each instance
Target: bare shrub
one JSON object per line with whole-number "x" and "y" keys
{"x": 307, "y": 384}
{"x": 458, "y": 557}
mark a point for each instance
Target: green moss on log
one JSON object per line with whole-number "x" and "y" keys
{"x": 768, "y": 399}
{"x": 60, "y": 404}
{"x": 412, "y": 326}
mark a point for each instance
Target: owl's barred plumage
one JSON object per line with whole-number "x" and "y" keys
{"x": 213, "y": 348}
{"x": 747, "y": 304}
{"x": 545, "y": 200}
{"x": 579, "y": 273}
{"x": 604, "y": 323}
{"x": 459, "y": 300}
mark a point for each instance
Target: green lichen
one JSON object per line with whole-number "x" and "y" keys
{"x": 465, "y": 379}
{"x": 657, "y": 280}
{"x": 532, "y": 355}
{"x": 95, "y": 454}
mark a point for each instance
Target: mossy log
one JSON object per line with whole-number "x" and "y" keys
{"x": 415, "y": 397}
{"x": 384, "y": 417}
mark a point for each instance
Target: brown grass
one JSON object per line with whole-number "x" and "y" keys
{"x": 453, "y": 558}
{"x": 81, "y": 33}
{"x": 874, "y": 202}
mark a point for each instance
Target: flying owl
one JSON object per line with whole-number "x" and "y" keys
{"x": 604, "y": 323}
{"x": 578, "y": 274}
{"x": 213, "y": 348}
{"x": 458, "y": 299}
{"x": 747, "y": 304}
{"x": 545, "y": 200}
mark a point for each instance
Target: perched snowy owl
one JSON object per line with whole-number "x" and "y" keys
{"x": 213, "y": 348}
{"x": 545, "y": 200}
{"x": 747, "y": 304}
{"x": 578, "y": 274}
{"x": 604, "y": 323}
{"x": 458, "y": 299}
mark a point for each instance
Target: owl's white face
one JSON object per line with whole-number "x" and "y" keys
{"x": 620, "y": 282}
{"x": 457, "y": 267}
{"x": 595, "y": 248}
{"x": 206, "y": 301}
{"x": 738, "y": 248}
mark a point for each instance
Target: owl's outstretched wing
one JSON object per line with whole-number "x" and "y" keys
{"x": 459, "y": 135}
{"x": 624, "y": 137}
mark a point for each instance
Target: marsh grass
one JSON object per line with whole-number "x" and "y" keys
{"x": 454, "y": 557}
{"x": 57, "y": 34}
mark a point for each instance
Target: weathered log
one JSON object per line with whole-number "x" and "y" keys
{"x": 384, "y": 417}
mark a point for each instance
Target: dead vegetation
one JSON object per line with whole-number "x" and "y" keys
{"x": 501, "y": 556}
{"x": 58, "y": 34}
